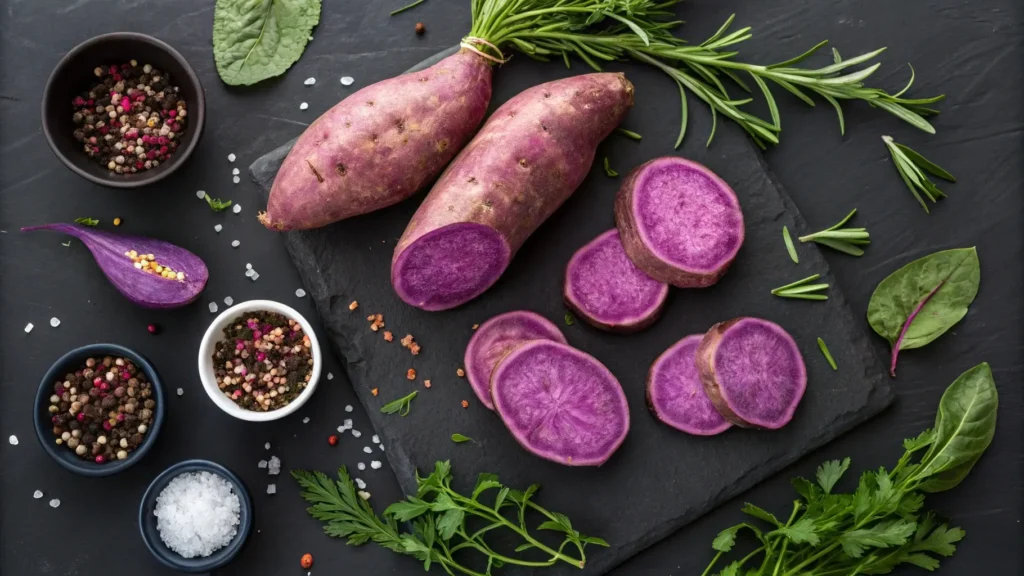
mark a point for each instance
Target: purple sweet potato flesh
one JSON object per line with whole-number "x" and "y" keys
{"x": 607, "y": 290}
{"x": 680, "y": 223}
{"x": 142, "y": 288}
{"x": 380, "y": 145}
{"x": 752, "y": 371}
{"x": 676, "y": 395}
{"x": 526, "y": 161}
{"x": 494, "y": 339}
{"x": 560, "y": 403}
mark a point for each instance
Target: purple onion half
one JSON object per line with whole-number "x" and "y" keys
{"x": 147, "y": 289}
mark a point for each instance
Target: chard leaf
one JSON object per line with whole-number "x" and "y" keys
{"x": 258, "y": 39}
{"x": 922, "y": 300}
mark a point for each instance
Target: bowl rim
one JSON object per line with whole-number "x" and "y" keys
{"x": 46, "y": 388}
{"x": 213, "y": 335}
{"x": 178, "y": 159}
{"x": 160, "y": 551}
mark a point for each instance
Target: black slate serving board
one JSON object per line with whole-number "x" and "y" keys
{"x": 660, "y": 479}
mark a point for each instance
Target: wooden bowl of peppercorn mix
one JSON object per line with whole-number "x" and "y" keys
{"x": 260, "y": 360}
{"x": 99, "y": 409}
{"x": 123, "y": 110}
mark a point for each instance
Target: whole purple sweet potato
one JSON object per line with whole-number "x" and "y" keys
{"x": 560, "y": 403}
{"x": 380, "y": 145}
{"x": 607, "y": 290}
{"x": 680, "y": 223}
{"x": 675, "y": 394}
{"x": 752, "y": 371}
{"x": 526, "y": 161}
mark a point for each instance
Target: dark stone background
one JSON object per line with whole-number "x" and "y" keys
{"x": 970, "y": 51}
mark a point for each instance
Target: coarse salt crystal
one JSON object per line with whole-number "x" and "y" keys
{"x": 274, "y": 466}
{"x": 356, "y": 433}
{"x": 271, "y": 488}
{"x": 361, "y": 466}
{"x": 330, "y": 376}
{"x": 235, "y": 243}
{"x": 231, "y": 157}
{"x": 200, "y": 194}
{"x": 375, "y": 464}
{"x": 249, "y": 273}
{"x": 303, "y": 106}
{"x": 54, "y": 503}
{"x": 28, "y": 327}
{"x": 347, "y": 80}
{"x": 54, "y": 321}
{"x": 266, "y": 446}
{"x": 197, "y": 514}
{"x": 180, "y": 392}
{"x": 360, "y": 483}
{"x": 218, "y": 228}
{"x": 261, "y": 464}
{"x": 236, "y": 180}
{"x": 348, "y": 423}
{"x": 13, "y": 440}
{"x": 248, "y": 266}
{"x": 305, "y": 420}
{"x": 237, "y": 207}
{"x": 37, "y": 494}
{"x": 300, "y": 293}
{"x": 376, "y": 439}
{"x": 228, "y": 300}
{"x": 235, "y": 171}
{"x": 213, "y": 307}
{"x": 381, "y": 446}
{"x": 348, "y": 408}
{"x": 364, "y": 494}
{"x": 310, "y": 81}
{"x": 367, "y": 449}
{"x": 255, "y": 276}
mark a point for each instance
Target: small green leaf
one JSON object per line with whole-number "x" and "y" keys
{"x": 459, "y": 438}
{"x": 407, "y": 7}
{"x": 449, "y": 522}
{"x": 789, "y": 245}
{"x": 759, "y": 513}
{"x": 400, "y": 406}
{"x": 551, "y": 525}
{"x": 524, "y": 547}
{"x": 629, "y": 134}
{"x": 726, "y": 539}
{"x": 608, "y": 169}
{"x": 830, "y": 472}
{"x": 216, "y": 204}
{"x": 499, "y": 500}
{"x": 569, "y": 320}
{"x": 800, "y": 532}
{"x": 595, "y": 541}
{"x": 87, "y": 221}
{"x": 828, "y": 355}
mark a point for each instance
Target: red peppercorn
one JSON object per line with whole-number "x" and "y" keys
{"x": 100, "y": 459}
{"x": 139, "y": 165}
{"x": 81, "y": 417}
{"x": 97, "y": 381}
{"x": 163, "y": 149}
{"x": 107, "y": 426}
{"x": 332, "y": 440}
{"x": 120, "y": 417}
{"x": 104, "y": 386}
{"x": 152, "y": 328}
{"x": 172, "y": 113}
{"x": 420, "y": 28}
{"x": 306, "y": 561}
{"x": 113, "y": 69}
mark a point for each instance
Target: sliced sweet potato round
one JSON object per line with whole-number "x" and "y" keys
{"x": 676, "y": 395}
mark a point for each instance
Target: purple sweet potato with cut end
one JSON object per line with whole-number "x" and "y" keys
{"x": 680, "y": 223}
{"x": 142, "y": 288}
{"x": 380, "y": 145}
{"x": 675, "y": 394}
{"x": 494, "y": 339}
{"x": 526, "y": 161}
{"x": 606, "y": 289}
{"x": 560, "y": 403}
{"x": 752, "y": 371}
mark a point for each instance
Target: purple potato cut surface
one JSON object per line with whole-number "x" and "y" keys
{"x": 560, "y": 403}
{"x": 752, "y": 371}
{"x": 494, "y": 339}
{"x": 606, "y": 289}
{"x": 676, "y": 395}
{"x": 680, "y": 223}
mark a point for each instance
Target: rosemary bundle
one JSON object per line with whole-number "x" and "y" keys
{"x": 912, "y": 168}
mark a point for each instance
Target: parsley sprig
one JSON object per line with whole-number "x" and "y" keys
{"x": 881, "y": 524}
{"x": 440, "y": 519}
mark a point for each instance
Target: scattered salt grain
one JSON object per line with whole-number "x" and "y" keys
{"x": 249, "y": 273}
{"x": 364, "y": 494}
{"x": 361, "y": 466}
{"x": 237, "y": 208}
{"x": 248, "y": 266}
{"x": 197, "y": 514}
{"x": 235, "y": 171}
{"x": 274, "y": 466}
{"x": 271, "y": 488}
{"x": 376, "y": 439}
{"x": 235, "y": 243}
{"x": 255, "y": 276}
{"x": 213, "y": 307}
{"x": 300, "y": 293}
{"x": 348, "y": 408}
{"x": 200, "y": 194}
{"x": 367, "y": 449}
{"x": 375, "y": 464}
{"x": 330, "y": 376}
{"x": 347, "y": 80}
{"x": 218, "y": 228}
{"x": 266, "y": 446}
{"x": 381, "y": 446}
{"x": 348, "y": 423}
{"x": 228, "y": 300}
{"x": 54, "y": 503}
{"x": 303, "y": 106}
{"x": 305, "y": 420}
{"x": 356, "y": 433}
{"x": 29, "y": 327}
{"x": 13, "y": 440}
{"x": 360, "y": 483}
{"x": 236, "y": 180}
{"x": 54, "y": 321}
{"x": 37, "y": 494}
{"x": 261, "y": 464}
{"x": 310, "y": 81}
{"x": 180, "y": 392}
{"x": 231, "y": 157}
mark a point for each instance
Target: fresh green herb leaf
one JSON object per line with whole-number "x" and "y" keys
{"x": 726, "y": 539}
{"x": 882, "y": 535}
{"x": 828, "y": 355}
{"x": 569, "y": 320}
{"x": 789, "y": 245}
{"x": 847, "y": 240}
{"x": 258, "y": 39}
{"x": 802, "y": 289}
{"x": 629, "y": 134}
{"x": 400, "y": 406}
{"x": 408, "y": 7}
{"x": 830, "y": 472}
{"x": 459, "y": 438}
{"x": 922, "y": 300}
{"x": 87, "y": 221}
{"x": 216, "y": 204}
{"x": 802, "y": 531}
{"x": 608, "y": 169}
{"x": 759, "y": 513}
{"x": 912, "y": 168}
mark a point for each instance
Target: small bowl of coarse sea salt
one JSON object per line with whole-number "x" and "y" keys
{"x": 195, "y": 516}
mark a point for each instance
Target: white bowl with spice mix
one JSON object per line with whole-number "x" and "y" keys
{"x": 260, "y": 361}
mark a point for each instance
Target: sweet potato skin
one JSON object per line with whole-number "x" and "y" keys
{"x": 380, "y": 145}
{"x": 529, "y": 157}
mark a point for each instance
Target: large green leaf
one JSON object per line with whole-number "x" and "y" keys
{"x": 258, "y": 39}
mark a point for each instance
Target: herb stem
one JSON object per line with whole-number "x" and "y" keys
{"x": 407, "y": 7}
{"x": 810, "y": 278}
{"x": 712, "y": 565}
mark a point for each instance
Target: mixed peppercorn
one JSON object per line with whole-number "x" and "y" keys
{"x": 264, "y": 361}
{"x": 103, "y": 410}
{"x": 132, "y": 120}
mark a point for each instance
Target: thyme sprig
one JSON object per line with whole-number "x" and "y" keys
{"x": 912, "y": 168}
{"x": 847, "y": 240}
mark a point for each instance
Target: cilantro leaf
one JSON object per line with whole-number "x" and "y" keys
{"x": 805, "y": 488}
{"x": 449, "y": 522}
{"x": 882, "y": 535}
{"x": 830, "y": 472}
{"x": 726, "y": 539}
{"x": 751, "y": 510}
{"x": 922, "y": 440}
{"x": 803, "y": 531}
{"x": 941, "y": 540}
{"x": 731, "y": 570}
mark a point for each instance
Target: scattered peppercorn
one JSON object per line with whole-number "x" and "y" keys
{"x": 460, "y": 372}
{"x": 465, "y": 403}
{"x": 132, "y": 120}
{"x": 307, "y": 559}
{"x": 374, "y": 391}
{"x": 353, "y": 305}
{"x": 264, "y": 361}
{"x": 376, "y": 321}
{"x": 426, "y": 383}
{"x": 332, "y": 440}
{"x": 388, "y": 336}
{"x": 102, "y": 410}
{"x": 411, "y": 374}
{"x": 117, "y": 221}
{"x": 152, "y": 329}
{"x": 475, "y": 326}
{"x": 410, "y": 343}
{"x": 420, "y": 28}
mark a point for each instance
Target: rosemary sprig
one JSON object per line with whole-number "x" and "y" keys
{"x": 912, "y": 168}
{"x": 827, "y": 354}
{"x": 802, "y": 289}
{"x": 608, "y": 169}
{"x": 789, "y": 245}
{"x": 400, "y": 406}
{"x": 441, "y": 521}
{"x": 629, "y": 134}
{"x": 407, "y": 7}
{"x": 848, "y": 240}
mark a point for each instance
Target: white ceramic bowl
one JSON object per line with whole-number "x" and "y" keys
{"x": 215, "y": 333}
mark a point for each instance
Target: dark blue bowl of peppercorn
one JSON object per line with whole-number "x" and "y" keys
{"x": 83, "y": 113}
{"x": 52, "y": 425}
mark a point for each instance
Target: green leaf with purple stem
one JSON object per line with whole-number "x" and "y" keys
{"x": 924, "y": 299}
